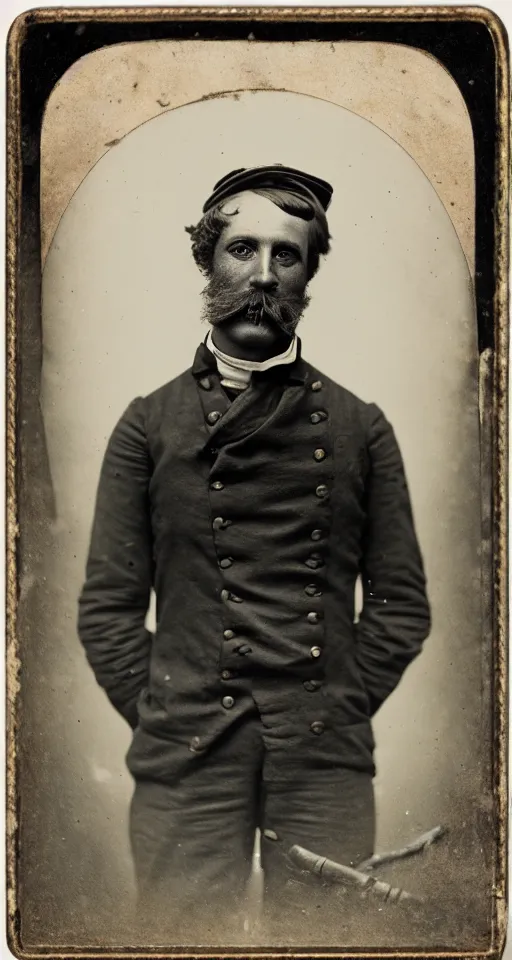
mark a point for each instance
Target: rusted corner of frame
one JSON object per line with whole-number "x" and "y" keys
{"x": 493, "y": 382}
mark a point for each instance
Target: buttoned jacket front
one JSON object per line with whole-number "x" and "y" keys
{"x": 252, "y": 521}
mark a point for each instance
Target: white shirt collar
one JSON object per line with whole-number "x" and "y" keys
{"x": 236, "y": 374}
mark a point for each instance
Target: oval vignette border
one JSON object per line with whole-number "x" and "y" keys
{"x": 495, "y": 361}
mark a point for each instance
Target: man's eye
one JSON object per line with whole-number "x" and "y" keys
{"x": 241, "y": 250}
{"x": 286, "y": 256}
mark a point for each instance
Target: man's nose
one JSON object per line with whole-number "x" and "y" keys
{"x": 264, "y": 277}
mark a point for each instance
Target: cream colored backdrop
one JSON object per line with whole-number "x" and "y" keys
{"x": 391, "y": 318}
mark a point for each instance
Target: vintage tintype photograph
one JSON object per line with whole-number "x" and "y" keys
{"x": 256, "y": 473}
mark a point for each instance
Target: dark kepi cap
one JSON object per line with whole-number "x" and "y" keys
{"x": 277, "y": 176}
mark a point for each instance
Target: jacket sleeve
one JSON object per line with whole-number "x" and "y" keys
{"x": 395, "y": 619}
{"x": 114, "y": 600}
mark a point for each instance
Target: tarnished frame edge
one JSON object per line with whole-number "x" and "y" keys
{"x": 498, "y": 425}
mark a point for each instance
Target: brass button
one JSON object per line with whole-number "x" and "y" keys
{"x": 226, "y": 674}
{"x": 315, "y": 652}
{"x": 321, "y": 491}
{"x": 214, "y": 416}
{"x": 316, "y": 385}
{"x": 312, "y": 590}
{"x": 205, "y": 383}
{"x": 318, "y": 416}
{"x": 313, "y": 617}
{"x": 217, "y": 485}
{"x": 314, "y": 561}
{"x": 312, "y": 685}
{"x": 225, "y": 595}
{"x": 270, "y": 835}
{"x": 316, "y": 534}
{"x": 194, "y": 744}
{"x": 226, "y": 562}
{"x": 228, "y": 702}
{"x": 317, "y": 727}
{"x": 229, "y": 634}
{"x": 220, "y": 524}
{"x": 319, "y": 454}
{"x": 244, "y": 649}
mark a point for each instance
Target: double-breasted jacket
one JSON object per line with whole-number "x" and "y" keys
{"x": 252, "y": 521}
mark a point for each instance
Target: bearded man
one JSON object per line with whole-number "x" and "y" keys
{"x": 250, "y": 493}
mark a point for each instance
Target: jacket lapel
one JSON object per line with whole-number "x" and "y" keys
{"x": 256, "y": 406}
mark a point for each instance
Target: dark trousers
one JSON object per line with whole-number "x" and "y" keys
{"x": 193, "y": 847}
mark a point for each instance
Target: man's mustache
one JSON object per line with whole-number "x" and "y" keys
{"x": 223, "y": 303}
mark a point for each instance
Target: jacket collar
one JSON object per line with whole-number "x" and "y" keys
{"x": 205, "y": 363}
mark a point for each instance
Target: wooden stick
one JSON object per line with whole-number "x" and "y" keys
{"x": 418, "y": 846}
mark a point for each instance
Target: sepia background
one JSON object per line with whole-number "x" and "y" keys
{"x": 132, "y": 143}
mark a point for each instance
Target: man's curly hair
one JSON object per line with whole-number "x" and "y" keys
{"x": 206, "y": 233}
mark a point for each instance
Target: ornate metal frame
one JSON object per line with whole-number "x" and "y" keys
{"x": 493, "y": 386}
